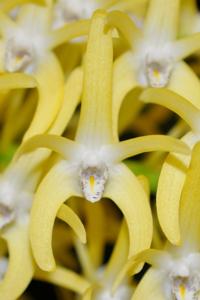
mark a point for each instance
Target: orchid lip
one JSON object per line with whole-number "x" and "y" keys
{"x": 93, "y": 180}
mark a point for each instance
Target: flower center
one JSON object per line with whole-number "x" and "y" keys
{"x": 67, "y": 11}
{"x": 123, "y": 292}
{"x": 185, "y": 288}
{"x": 93, "y": 180}
{"x": 19, "y": 56}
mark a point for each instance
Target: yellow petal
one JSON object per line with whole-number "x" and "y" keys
{"x": 17, "y": 81}
{"x": 59, "y": 144}
{"x": 88, "y": 294}
{"x": 187, "y": 46}
{"x": 68, "y": 32}
{"x": 51, "y": 90}
{"x": 7, "y": 5}
{"x": 170, "y": 186}
{"x": 64, "y": 278}
{"x": 6, "y": 24}
{"x": 123, "y": 82}
{"x": 95, "y": 124}
{"x": 145, "y": 183}
{"x": 150, "y": 287}
{"x": 186, "y": 110}
{"x": 154, "y": 257}
{"x": 119, "y": 254}
{"x": 143, "y": 144}
{"x": 127, "y": 193}
{"x": 125, "y": 25}
{"x": 20, "y": 267}
{"x": 190, "y": 202}
{"x": 71, "y": 99}
{"x": 67, "y": 215}
{"x": 185, "y": 82}
{"x": 57, "y": 186}
{"x": 161, "y": 21}
{"x": 95, "y": 225}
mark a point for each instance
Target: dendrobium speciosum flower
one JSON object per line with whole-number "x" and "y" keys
{"x": 34, "y": 56}
{"x": 156, "y": 59}
{"x": 91, "y": 166}
{"x": 175, "y": 271}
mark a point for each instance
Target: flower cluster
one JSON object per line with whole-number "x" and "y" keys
{"x": 87, "y": 90}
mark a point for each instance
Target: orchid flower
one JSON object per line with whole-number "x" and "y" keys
{"x": 34, "y": 56}
{"x": 90, "y": 166}
{"x": 156, "y": 58}
{"x": 175, "y": 166}
{"x": 17, "y": 187}
{"x": 175, "y": 271}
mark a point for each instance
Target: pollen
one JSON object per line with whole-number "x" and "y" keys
{"x": 182, "y": 291}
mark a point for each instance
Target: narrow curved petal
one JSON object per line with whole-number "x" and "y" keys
{"x": 21, "y": 266}
{"x": 161, "y": 21}
{"x": 185, "y": 82}
{"x": 150, "y": 287}
{"x": 126, "y": 192}
{"x": 59, "y": 144}
{"x": 155, "y": 258}
{"x": 6, "y": 24}
{"x": 67, "y": 215}
{"x": 72, "y": 95}
{"x": 95, "y": 226}
{"x": 190, "y": 201}
{"x": 17, "y": 81}
{"x": 68, "y": 32}
{"x": 123, "y": 82}
{"x": 145, "y": 183}
{"x": 132, "y": 147}
{"x": 170, "y": 186}
{"x": 184, "y": 108}
{"x": 64, "y": 278}
{"x": 95, "y": 124}
{"x": 88, "y": 294}
{"x": 187, "y": 46}
{"x": 125, "y": 25}
{"x": 119, "y": 254}
{"x": 58, "y": 185}
{"x": 50, "y": 81}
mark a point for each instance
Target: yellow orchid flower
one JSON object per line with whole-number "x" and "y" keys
{"x": 175, "y": 166}
{"x": 91, "y": 165}
{"x": 156, "y": 58}
{"x": 34, "y": 56}
{"x": 175, "y": 270}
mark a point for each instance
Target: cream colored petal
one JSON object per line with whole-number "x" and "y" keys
{"x": 59, "y": 144}
{"x": 20, "y": 267}
{"x": 72, "y": 95}
{"x": 67, "y": 215}
{"x": 185, "y": 82}
{"x": 186, "y": 46}
{"x": 68, "y": 32}
{"x": 96, "y": 219}
{"x": 17, "y": 81}
{"x": 128, "y": 194}
{"x": 51, "y": 91}
{"x": 184, "y": 108}
{"x": 95, "y": 124}
{"x": 125, "y": 25}
{"x": 119, "y": 254}
{"x": 64, "y": 278}
{"x": 58, "y": 185}
{"x": 132, "y": 147}
{"x": 155, "y": 258}
{"x": 190, "y": 202}
{"x": 170, "y": 186}
{"x": 150, "y": 287}
{"x": 123, "y": 82}
{"x": 161, "y": 21}
{"x": 6, "y": 24}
